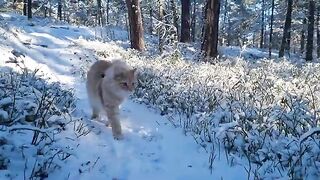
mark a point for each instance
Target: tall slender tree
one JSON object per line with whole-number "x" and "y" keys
{"x": 151, "y": 18}
{"x": 175, "y": 16}
{"x": 24, "y": 7}
{"x": 107, "y": 11}
{"x": 285, "y": 43}
{"x": 14, "y": 6}
{"x": 185, "y": 21}
{"x": 309, "y": 52}
{"x": 318, "y": 31}
{"x": 60, "y": 10}
{"x": 160, "y": 29}
{"x": 224, "y": 24}
{"x": 303, "y": 36}
{"x": 193, "y": 21}
{"x": 262, "y": 24}
{"x": 135, "y": 23}
{"x": 29, "y": 9}
{"x": 100, "y": 14}
{"x": 271, "y": 28}
{"x": 211, "y": 27}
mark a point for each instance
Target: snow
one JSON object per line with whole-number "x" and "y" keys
{"x": 243, "y": 112}
{"x": 5, "y": 101}
{"x": 309, "y": 133}
{"x": 152, "y": 147}
{"x": 3, "y": 115}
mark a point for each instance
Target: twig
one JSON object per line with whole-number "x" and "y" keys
{"x": 95, "y": 162}
{"x": 31, "y": 129}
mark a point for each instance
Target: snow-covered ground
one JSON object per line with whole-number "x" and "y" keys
{"x": 152, "y": 147}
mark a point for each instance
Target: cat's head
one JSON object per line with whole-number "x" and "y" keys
{"x": 125, "y": 76}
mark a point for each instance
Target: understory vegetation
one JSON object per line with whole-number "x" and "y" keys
{"x": 264, "y": 111}
{"x": 33, "y": 115}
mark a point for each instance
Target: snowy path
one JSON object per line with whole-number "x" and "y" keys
{"x": 151, "y": 149}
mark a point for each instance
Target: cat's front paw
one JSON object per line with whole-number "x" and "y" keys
{"x": 118, "y": 136}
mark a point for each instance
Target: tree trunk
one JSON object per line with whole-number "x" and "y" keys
{"x": 25, "y": 7}
{"x": 151, "y": 19}
{"x": 318, "y": 32}
{"x": 271, "y": 28}
{"x": 193, "y": 21}
{"x": 127, "y": 25}
{"x": 135, "y": 23}
{"x": 50, "y": 9}
{"x": 210, "y": 39}
{"x": 309, "y": 50}
{"x": 60, "y": 10}
{"x": 64, "y": 13}
{"x": 303, "y": 36}
{"x": 185, "y": 21}
{"x": 29, "y": 9}
{"x": 45, "y": 12}
{"x": 203, "y": 13}
{"x": 285, "y": 44}
{"x": 224, "y": 24}
{"x": 175, "y": 16}
{"x": 160, "y": 30}
{"x": 100, "y": 15}
{"x": 108, "y": 6}
{"x": 228, "y": 30}
{"x": 262, "y": 25}
{"x": 14, "y": 6}
{"x": 68, "y": 16}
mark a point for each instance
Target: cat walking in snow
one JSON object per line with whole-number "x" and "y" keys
{"x": 109, "y": 83}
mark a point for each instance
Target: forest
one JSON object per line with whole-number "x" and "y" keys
{"x": 226, "y": 89}
{"x": 287, "y": 27}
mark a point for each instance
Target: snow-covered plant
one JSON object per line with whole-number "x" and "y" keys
{"x": 265, "y": 111}
{"x": 32, "y": 114}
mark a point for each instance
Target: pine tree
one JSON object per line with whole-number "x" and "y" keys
{"x": 160, "y": 29}
{"x": 262, "y": 24}
{"x": 29, "y": 9}
{"x": 185, "y": 21}
{"x": 318, "y": 31}
{"x": 309, "y": 52}
{"x": 24, "y": 7}
{"x": 100, "y": 14}
{"x": 60, "y": 10}
{"x": 135, "y": 23}
{"x": 271, "y": 27}
{"x": 285, "y": 43}
{"x": 193, "y": 21}
{"x": 303, "y": 36}
{"x": 175, "y": 16}
{"x": 211, "y": 27}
